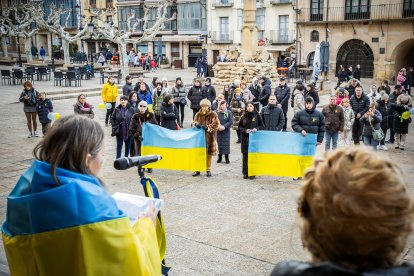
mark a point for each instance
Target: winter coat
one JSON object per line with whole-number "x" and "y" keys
{"x": 178, "y": 93}
{"x": 85, "y": 109}
{"x": 29, "y": 104}
{"x": 117, "y": 122}
{"x": 312, "y": 121}
{"x": 351, "y": 90}
{"x": 158, "y": 101}
{"x": 169, "y": 116}
{"x": 209, "y": 93}
{"x": 386, "y": 88}
{"x": 375, "y": 121}
{"x": 137, "y": 121}
{"x": 43, "y": 109}
{"x": 400, "y": 124}
{"x": 272, "y": 117}
{"x": 211, "y": 122}
{"x": 247, "y": 95}
{"x": 150, "y": 87}
{"x": 134, "y": 105}
{"x": 298, "y": 101}
{"x": 249, "y": 120}
{"x": 282, "y": 95}
{"x": 195, "y": 96}
{"x": 349, "y": 118}
{"x": 409, "y": 78}
{"x": 359, "y": 105}
{"x": 266, "y": 92}
{"x": 314, "y": 95}
{"x": 339, "y": 99}
{"x": 127, "y": 89}
{"x": 357, "y": 74}
{"x": 334, "y": 118}
{"x": 342, "y": 76}
{"x": 401, "y": 79}
{"x": 109, "y": 92}
{"x": 383, "y": 109}
{"x": 235, "y": 104}
{"x": 297, "y": 268}
{"x": 256, "y": 92}
{"x": 145, "y": 96}
{"x": 391, "y": 100}
{"x": 223, "y": 137}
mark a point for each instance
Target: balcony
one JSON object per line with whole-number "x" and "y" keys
{"x": 357, "y": 13}
{"x": 280, "y": 2}
{"x": 222, "y": 3}
{"x": 222, "y": 37}
{"x": 282, "y": 36}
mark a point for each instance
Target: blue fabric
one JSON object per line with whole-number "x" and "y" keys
{"x": 369, "y": 141}
{"x": 38, "y": 204}
{"x": 156, "y": 136}
{"x": 288, "y": 143}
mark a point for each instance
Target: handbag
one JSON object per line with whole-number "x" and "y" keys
{"x": 377, "y": 134}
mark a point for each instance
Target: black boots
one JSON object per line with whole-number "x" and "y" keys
{"x": 219, "y": 158}
{"x": 227, "y": 158}
{"x": 208, "y": 173}
{"x": 196, "y": 174}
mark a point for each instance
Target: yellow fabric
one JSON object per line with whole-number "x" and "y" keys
{"x": 112, "y": 247}
{"x": 278, "y": 164}
{"x": 109, "y": 93}
{"x": 150, "y": 108}
{"x": 192, "y": 159}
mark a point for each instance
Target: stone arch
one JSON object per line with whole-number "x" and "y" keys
{"x": 354, "y": 52}
{"x": 402, "y": 55}
{"x": 309, "y": 59}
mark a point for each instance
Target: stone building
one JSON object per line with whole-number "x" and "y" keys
{"x": 377, "y": 34}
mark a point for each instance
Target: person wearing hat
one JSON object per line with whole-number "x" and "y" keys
{"x": 195, "y": 96}
{"x": 266, "y": 91}
{"x": 209, "y": 92}
{"x": 282, "y": 93}
{"x": 401, "y": 119}
{"x": 208, "y": 120}
{"x": 237, "y": 107}
{"x": 180, "y": 101}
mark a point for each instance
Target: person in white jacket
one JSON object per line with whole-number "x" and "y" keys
{"x": 298, "y": 100}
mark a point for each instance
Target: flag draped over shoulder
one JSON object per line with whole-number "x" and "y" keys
{"x": 74, "y": 228}
{"x": 280, "y": 153}
{"x": 180, "y": 150}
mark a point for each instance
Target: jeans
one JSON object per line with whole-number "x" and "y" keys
{"x": 119, "y": 142}
{"x": 331, "y": 136}
{"x": 392, "y": 134}
{"x": 357, "y": 131}
{"x": 369, "y": 141}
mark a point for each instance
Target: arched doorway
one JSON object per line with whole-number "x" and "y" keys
{"x": 403, "y": 55}
{"x": 355, "y": 52}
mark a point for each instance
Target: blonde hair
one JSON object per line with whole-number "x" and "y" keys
{"x": 356, "y": 210}
{"x": 344, "y": 100}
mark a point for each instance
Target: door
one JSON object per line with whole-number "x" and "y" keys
{"x": 216, "y": 53}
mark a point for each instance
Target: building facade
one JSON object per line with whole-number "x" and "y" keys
{"x": 274, "y": 19}
{"x": 377, "y": 34}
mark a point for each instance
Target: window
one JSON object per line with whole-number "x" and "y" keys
{"x": 224, "y": 29}
{"x": 172, "y": 24}
{"x": 314, "y": 36}
{"x": 156, "y": 47}
{"x": 191, "y": 17}
{"x": 316, "y": 10}
{"x": 357, "y": 9}
{"x": 175, "y": 50}
{"x": 240, "y": 19}
{"x": 283, "y": 28}
{"x": 152, "y": 17}
{"x": 260, "y": 21}
{"x": 125, "y": 13}
{"x": 309, "y": 61}
{"x": 408, "y": 10}
{"x": 92, "y": 3}
{"x": 143, "y": 47}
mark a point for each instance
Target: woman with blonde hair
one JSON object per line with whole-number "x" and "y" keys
{"x": 356, "y": 214}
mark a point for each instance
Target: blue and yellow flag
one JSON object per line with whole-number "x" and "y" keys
{"x": 73, "y": 228}
{"x": 280, "y": 153}
{"x": 180, "y": 150}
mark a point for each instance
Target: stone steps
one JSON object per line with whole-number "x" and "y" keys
{"x": 73, "y": 94}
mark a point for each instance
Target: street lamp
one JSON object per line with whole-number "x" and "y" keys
{"x": 19, "y": 60}
{"x": 51, "y": 47}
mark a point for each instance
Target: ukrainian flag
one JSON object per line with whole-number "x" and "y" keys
{"x": 180, "y": 150}
{"x": 73, "y": 228}
{"x": 280, "y": 153}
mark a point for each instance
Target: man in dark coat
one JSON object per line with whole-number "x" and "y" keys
{"x": 392, "y": 100}
{"x": 334, "y": 123}
{"x": 360, "y": 104}
{"x": 255, "y": 89}
{"x": 357, "y": 72}
{"x": 266, "y": 91}
{"x": 209, "y": 92}
{"x": 195, "y": 96}
{"x": 282, "y": 93}
{"x": 272, "y": 116}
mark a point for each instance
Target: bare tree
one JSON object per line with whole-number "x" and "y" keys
{"x": 134, "y": 25}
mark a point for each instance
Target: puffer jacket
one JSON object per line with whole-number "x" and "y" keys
{"x": 145, "y": 96}
{"x": 178, "y": 93}
{"x": 272, "y": 117}
{"x": 282, "y": 95}
{"x": 249, "y": 120}
{"x": 195, "y": 95}
{"x": 209, "y": 92}
{"x": 349, "y": 118}
{"x": 169, "y": 116}
{"x": 312, "y": 121}
{"x": 298, "y": 101}
{"x": 375, "y": 121}
{"x": 266, "y": 92}
{"x": 255, "y": 89}
{"x": 43, "y": 109}
{"x": 109, "y": 92}
{"x": 334, "y": 118}
{"x": 158, "y": 100}
{"x": 236, "y": 104}
{"x": 360, "y": 105}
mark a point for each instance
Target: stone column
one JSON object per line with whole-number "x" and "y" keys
{"x": 249, "y": 30}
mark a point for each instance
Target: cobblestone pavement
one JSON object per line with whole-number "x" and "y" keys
{"x": 218, "y": 225}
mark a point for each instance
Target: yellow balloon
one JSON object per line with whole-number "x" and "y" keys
{"x": 101, "y": 105}
{"x": 57, "y": 116}
{"x": 405, "y": 115}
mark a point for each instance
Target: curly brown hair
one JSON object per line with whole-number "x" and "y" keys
{"x": 356, "y": 210}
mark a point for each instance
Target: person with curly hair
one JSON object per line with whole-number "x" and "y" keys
{"x": 356, "y": 214}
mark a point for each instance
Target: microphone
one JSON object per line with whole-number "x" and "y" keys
{"x": 124, "y": 163}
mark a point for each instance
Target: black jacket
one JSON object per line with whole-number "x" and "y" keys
{"x": 312, "y": 121}
{"x": 313, "y": 94}
{"x": 375, "y": 121}
{"x": 249, "y": 120}
{"x": 195, "y": 95}
{"x": 265, "y": 93}
{"x": 400, "y": 125}
{"x": 169, "y": 116}
{"x": 282, "y": 95}
{"x": 256, "y": 90}
{"x": 43, "y": 109}
{"x": 127, "y": 89}
{"x": 296, "y": 268}
{"x": 383, "y": 109}
{"x": 209, "y": 93}
{"x": 272, "y": 118}
{"x": 357, "y": 74}
{"x": 359, "y": 105}
{"x": 117, "y": 120}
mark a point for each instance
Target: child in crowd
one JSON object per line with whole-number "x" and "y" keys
{"x": 349, "y": 118}
{"x": 153, "y": 65}
{"x": 44, "y": 107}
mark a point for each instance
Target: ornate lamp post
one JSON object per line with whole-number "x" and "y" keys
{"x": 51, "y": 48}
